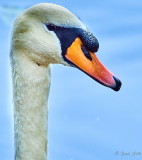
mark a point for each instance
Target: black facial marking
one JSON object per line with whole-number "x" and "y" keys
{"x": 67, "y": 36}
{"x": 86, "y": 53}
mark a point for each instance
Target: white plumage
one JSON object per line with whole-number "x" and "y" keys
{"x": 33, "y": 48}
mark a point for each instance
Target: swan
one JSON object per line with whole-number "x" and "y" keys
{"x": 47, "y": 34}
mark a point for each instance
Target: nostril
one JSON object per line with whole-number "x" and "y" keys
{"x": 86, "y": 53}
{"x": 118, "y": 84}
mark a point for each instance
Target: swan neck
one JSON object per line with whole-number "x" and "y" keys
{"x": 31, "y": 84}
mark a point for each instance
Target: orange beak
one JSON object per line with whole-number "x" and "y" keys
{"x": 92, "y": 67}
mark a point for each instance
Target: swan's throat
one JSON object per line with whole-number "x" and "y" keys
{"x": 31, "y": 85}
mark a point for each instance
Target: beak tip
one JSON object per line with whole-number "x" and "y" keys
{"x": 118, "y": 84}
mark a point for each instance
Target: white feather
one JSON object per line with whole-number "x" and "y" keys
{"x": 33, "y": 48}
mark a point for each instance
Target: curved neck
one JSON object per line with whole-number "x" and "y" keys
{"x": 31, "y": 84}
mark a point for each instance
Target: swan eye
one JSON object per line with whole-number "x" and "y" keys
{"x": 51, "y": 27}
{"x": 86, "y": 53}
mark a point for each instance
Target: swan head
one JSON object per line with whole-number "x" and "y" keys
{"x": 48, "y": 33}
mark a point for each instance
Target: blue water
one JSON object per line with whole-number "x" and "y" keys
{"x": 87, "y": 121}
